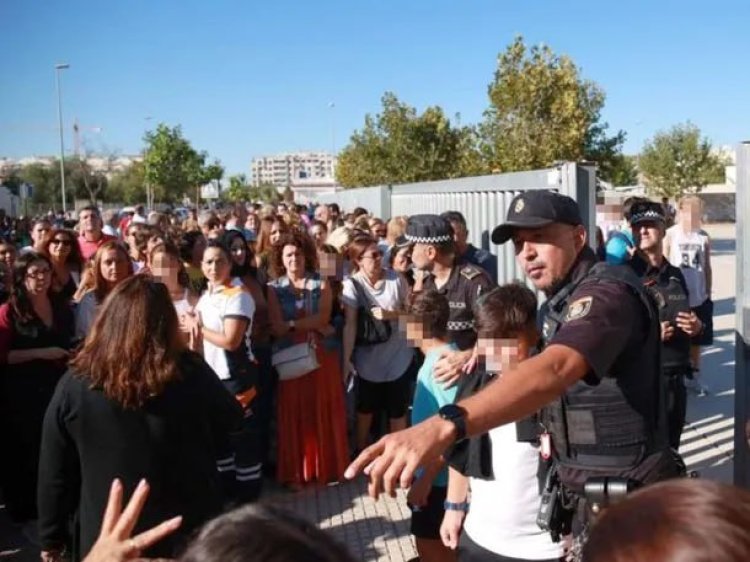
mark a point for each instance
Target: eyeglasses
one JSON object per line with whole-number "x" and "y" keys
{"x": 59, "y": 242}
{"x": 38, "y": 273}
{"x": 374, "y": 256}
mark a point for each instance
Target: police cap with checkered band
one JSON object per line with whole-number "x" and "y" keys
{"x": 428, "y": 229}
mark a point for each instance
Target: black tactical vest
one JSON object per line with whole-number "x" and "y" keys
{"x": 671, "y": 298}
{"x": 614, "y": 423}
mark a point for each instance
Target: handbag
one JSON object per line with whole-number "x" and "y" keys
{"x": 370, "y": 330}
{"x": 296, "y": 360}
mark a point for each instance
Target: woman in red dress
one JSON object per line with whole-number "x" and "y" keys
{"x": 312, "y": 440}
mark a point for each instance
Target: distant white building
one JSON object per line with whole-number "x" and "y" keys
{"x": 98, "y": 163}
{"x": 290, "y": 168}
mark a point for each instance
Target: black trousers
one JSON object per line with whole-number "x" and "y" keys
{"x": 469, "y": 551}
{"x": 676, "y": 405}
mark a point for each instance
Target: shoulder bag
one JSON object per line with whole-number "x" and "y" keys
{"x": 299, "y": 359}
{"x": 370, "y": 330}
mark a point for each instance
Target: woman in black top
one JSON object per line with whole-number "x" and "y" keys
{"x": 135, "y": 405}
{"x": 61, "y": 246}
{"x": 35, "y": 335}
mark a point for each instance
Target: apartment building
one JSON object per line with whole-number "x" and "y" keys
{"x": 284, "y": 170}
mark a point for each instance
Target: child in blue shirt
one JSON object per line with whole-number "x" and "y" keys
{"x": 426, "y": 328}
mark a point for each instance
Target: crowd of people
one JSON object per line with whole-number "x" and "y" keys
{"x": 181, "y": 362}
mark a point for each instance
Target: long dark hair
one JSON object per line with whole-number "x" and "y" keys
{"x": 132, "y": 350}
{"x": 263, "y": 533}
{"x": 19, "y": 300}
{"x": 74, "y": 256}
{"x": 247, "y": 268}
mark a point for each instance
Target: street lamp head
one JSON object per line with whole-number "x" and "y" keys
{"x": 61, "y": 66}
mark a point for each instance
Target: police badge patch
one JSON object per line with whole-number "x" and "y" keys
{"x": 578, "y": 309}
{"x": 519, "y": 206}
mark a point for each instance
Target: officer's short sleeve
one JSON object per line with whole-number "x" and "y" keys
{"x": 600, "y": 322}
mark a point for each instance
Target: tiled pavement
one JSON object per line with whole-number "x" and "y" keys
{"x": 372, "y": 530}
{"x": 379, "y": 531}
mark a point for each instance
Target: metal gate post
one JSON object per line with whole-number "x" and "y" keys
{"x": 742, "y": 321}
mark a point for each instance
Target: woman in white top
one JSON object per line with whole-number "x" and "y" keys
{"x": 111, "y": 265}
{"x": 383, "y": 368}
{"x": 167, "y": 268}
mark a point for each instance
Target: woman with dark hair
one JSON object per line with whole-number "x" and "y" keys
{"x": 263, "y": 533}
{"x": 243, "y": 268}
{"x": 383, "y": 368}
{"x": 223, "y": 319}
{"x": 167, "y": 268}
{"x": 111, "y": 265}
{"x": 35, "y": 336}
{"x": 312, "y": 441}
{"x": 191, "y": 246}
{"x": 61, "y": 247}
{"x": 683, "y": 520}
{"x": 7, "y": 259}
{"x": 136, "y": 405}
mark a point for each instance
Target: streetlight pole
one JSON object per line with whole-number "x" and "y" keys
{"x": 149, "y": 197}
{"x": 58, "y": 68}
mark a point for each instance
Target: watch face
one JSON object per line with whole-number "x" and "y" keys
{"x": 451, "y": 412}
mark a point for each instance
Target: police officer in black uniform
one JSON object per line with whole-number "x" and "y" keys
{"x": 679, "y": 323}
{"x": 597, "y": 377}
{"x": 434, "y": 252}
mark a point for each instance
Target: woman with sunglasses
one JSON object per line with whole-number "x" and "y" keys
{"x": 111, "y": 266}
{"x": 36, "y": 331}
{"x": 383, "y": 368}
{"x": 61, "y": 247}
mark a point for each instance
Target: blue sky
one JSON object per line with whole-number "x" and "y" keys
{"x": 250, "y": 77}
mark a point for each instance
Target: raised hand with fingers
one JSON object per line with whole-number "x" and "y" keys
{"x": 115, "y": 543}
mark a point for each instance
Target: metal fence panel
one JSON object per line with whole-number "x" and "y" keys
{"x": 742, "y": 322}
{"x": 376, "y": 200}
{"x": 484, "y": 201}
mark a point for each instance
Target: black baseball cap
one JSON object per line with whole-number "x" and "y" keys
{"x": 535, "y": 209}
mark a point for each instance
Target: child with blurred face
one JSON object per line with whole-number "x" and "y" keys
{"x": 501, "y": 463}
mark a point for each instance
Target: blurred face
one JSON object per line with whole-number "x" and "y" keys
{"x": 198, "y": 248}
{"x": 60, "y": 246}
{"x": 276, "y": 231}
{"x": 216, "y": 266}
{"x": 378, "y": 230}
{"x": 460, "y": 234}
{"x": 648, "y": 235}
{"x": 423, "y": 256}
{"x": 213, "y": 230}
{"x": 322, "y": 214}
{"x": 371, "y": 261}
{"x": 165, "y": 269}
{"x": 153, "y": 242}
{"x": 7, "y": 254}
{"x": 331, "y": 265}
{"x": 319, "y": 234}
{"x": 690, "y": 216}
{"x": 238, "y": 249}
{"x": 39, "y": 231}
{"x": 38, "y": 278}
{"x": 252, "y": 223}
{"x": 402, "y": 260}
{"x": 90, "y": 221}
{"x": 546, "y": 254}
{"x": 503, "y": 354}
{"x": 293, "y": 260}
{"x": 114, "y": 266}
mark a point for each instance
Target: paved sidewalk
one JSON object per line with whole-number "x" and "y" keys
{"x": 379, "y": 531}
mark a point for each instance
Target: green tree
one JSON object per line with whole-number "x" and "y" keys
{"x": 265, "y": 192}
{"x": 542, "y": 111}
{"x": 173, "y": 167}
{"x": 12, "y": 180}
{"x": 45, "y": 180}
{"x": 622, "y": 171}
{"x": 237, "y": 190}
{"x": 399, "y": 146}
{"x": 680, "y": 161}
{"x": 128, "y": 185}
